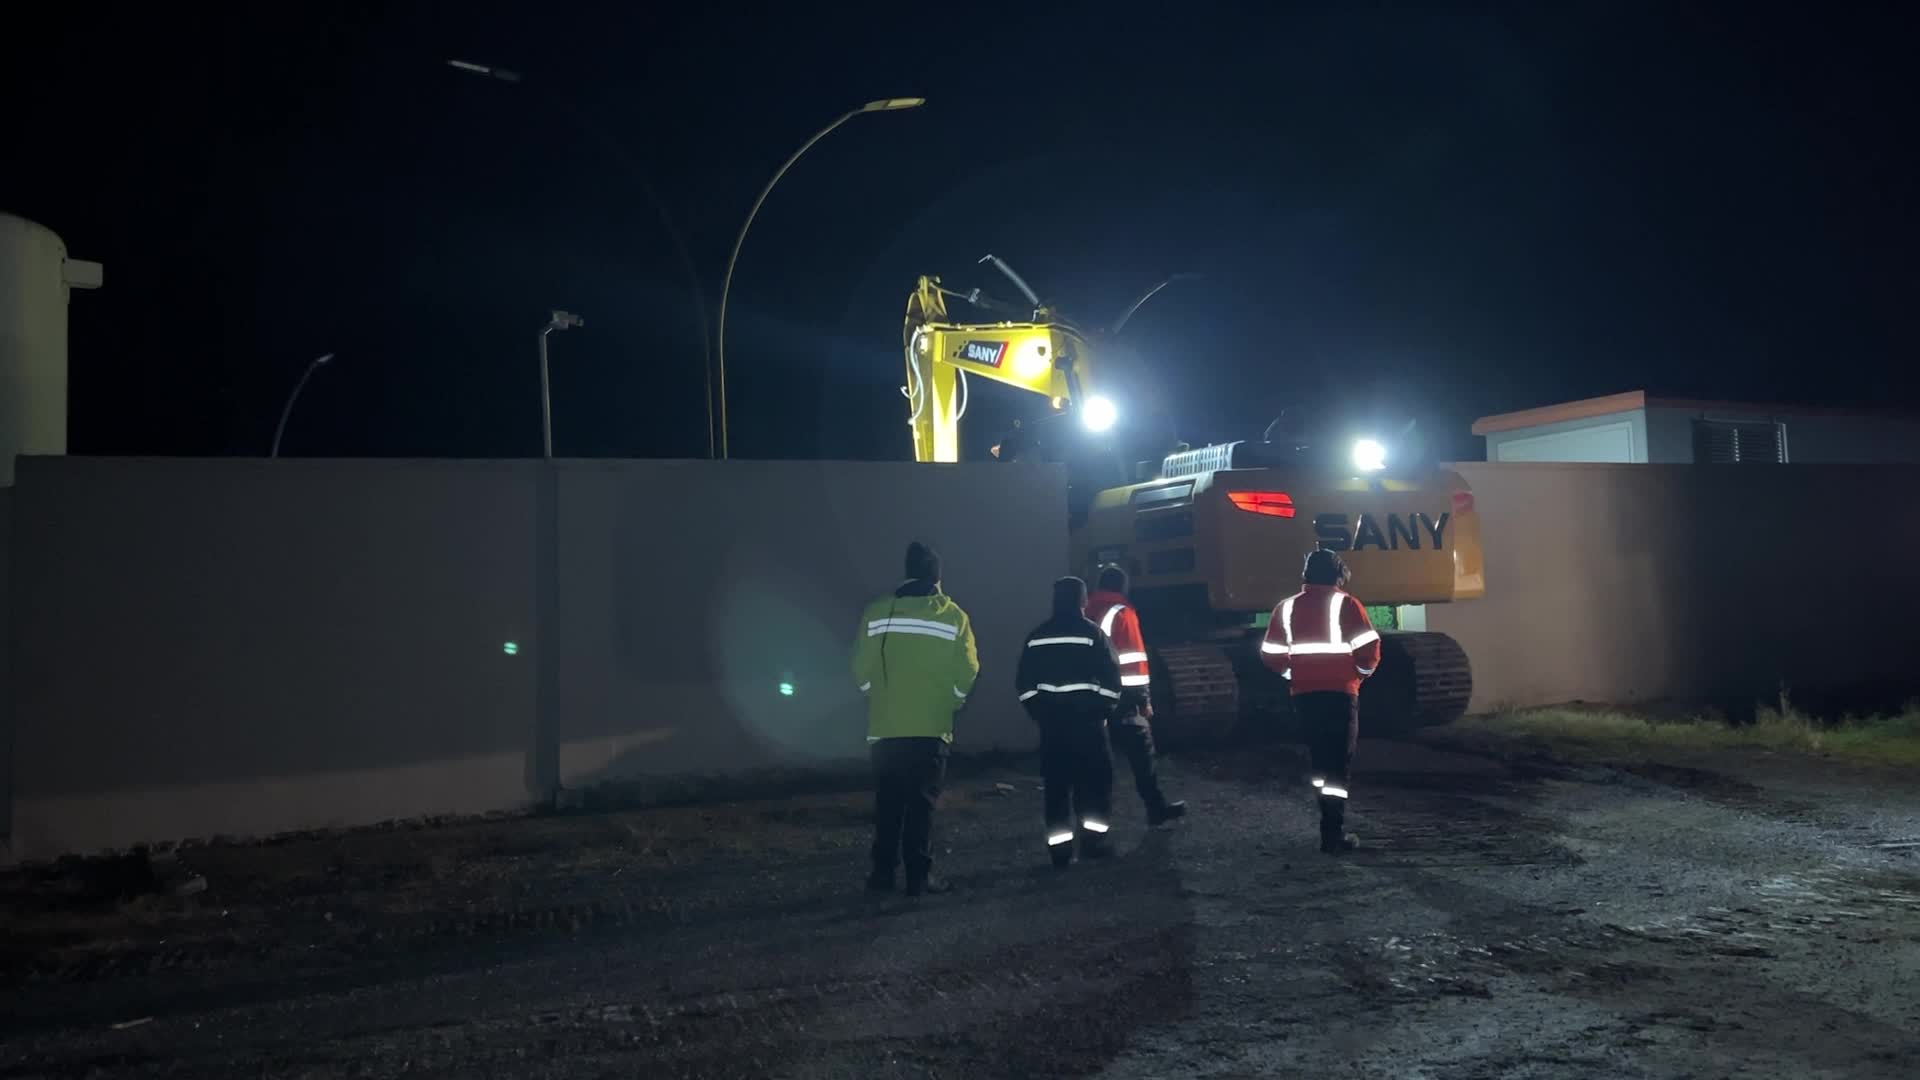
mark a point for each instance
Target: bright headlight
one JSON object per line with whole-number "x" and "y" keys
{"x": 1369, "y": 456}
{"x": 1098, "y": 414}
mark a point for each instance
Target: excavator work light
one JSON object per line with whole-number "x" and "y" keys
{"x": 1369, "y": 456}
{"x": 1098, "y": 414}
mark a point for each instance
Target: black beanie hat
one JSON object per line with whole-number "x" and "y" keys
{"x": 1113, "y": 579}
{"x": 1323, "y": 567}
{"x": 923, "y": 564}
{"x": 1069, "y": 596}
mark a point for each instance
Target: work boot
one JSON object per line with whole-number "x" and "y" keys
{"x": 880, "y": 881}
{"x": 1165, "y": 812}
{"x": 927, "y": 886}
{"x": 1338, "y": 843}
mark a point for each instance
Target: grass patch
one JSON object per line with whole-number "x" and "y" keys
{"x": 1888, "y": 740}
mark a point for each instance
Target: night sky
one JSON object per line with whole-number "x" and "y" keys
{"x": 1397, "y": 213}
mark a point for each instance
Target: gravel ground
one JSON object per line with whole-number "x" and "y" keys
{"x": 1739, "y": 916}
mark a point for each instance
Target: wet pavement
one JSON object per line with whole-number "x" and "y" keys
{"x": 1737, "y": 916}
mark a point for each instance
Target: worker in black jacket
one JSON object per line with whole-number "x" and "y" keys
{"x": 1069, "y": 680}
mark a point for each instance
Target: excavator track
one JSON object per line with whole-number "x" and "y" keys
{"x": 1424, "y": 680}
{"x": 1210, "y": 693}
{"x": 1196, "y": 693}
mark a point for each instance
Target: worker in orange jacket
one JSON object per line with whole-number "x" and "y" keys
{"x": 1131, "y": 726}
{"x": 1322, "y": 641}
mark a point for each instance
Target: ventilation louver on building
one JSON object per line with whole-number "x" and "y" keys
{"x": 1723, "y": 442}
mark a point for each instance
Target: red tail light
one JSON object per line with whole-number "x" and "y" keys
{"x": 1463, "y": 502}
{"x": 1270, "y": 503}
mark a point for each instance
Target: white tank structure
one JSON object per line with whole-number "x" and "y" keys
{"x": 35, "y": 279}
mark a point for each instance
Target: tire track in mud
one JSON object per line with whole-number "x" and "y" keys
{"x": 1715, "y": 986}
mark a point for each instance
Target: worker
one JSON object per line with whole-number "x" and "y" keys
{"x": 1069, "y": 681}
{"x": 1013, "y": 445}
{"x": 914, "y": 659}
{"x": 1132, "y": 724}
{"x": 1322, "y": 641}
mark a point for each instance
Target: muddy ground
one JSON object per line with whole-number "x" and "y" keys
{"x": 1740, "y": 916}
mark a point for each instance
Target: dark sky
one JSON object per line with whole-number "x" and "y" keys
{"x": 1398, "y": 212}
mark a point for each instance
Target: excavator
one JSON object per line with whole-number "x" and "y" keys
{"x": 1213, "y": 538}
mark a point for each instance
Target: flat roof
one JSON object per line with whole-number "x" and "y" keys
{"x": 1640, "y": 399}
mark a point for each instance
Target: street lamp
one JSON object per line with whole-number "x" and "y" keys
{"x": 881, "y": 105}
{"x": 559, "y": 320}
{"x": 291, "y": 398}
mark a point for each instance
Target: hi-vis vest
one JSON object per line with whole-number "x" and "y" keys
{"x": 914, "y": 658}
{"x": 1116, "y": 620}
{"x": 1321, "y": 639}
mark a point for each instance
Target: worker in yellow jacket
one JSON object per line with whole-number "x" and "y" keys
{"x": 914, "y": 658}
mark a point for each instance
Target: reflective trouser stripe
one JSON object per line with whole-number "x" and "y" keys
{"x": 1056, "y": 839}
{"x": 1331, "y": 792}
{"x": 1092, "y": 825}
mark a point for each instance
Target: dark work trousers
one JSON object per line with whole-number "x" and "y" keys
{"x": 1077, "y": 768}
{"x": 907, "y": 774}
{"x": 1332, "y": 725}
{"x": 1133, "y": 737}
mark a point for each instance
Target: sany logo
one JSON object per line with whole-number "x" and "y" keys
{"x": 989, "y": 353}
{"x": 1336, "y": 533}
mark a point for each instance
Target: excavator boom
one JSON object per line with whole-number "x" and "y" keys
{"x": 1051, "y": 359}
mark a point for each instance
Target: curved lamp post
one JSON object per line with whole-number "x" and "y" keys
{"x": 882, "y": 105}
{"x": 295, "y": 396}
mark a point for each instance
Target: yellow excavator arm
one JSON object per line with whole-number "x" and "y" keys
{"x": 1042, "y": 356}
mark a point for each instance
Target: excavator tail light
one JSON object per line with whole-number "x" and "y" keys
{"x": 1271, "y": 503}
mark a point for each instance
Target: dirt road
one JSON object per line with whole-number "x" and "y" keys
{"x": 1760, "y": 918}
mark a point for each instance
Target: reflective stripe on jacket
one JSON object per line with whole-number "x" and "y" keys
{"x": 1118, "y": 621}
{"x": 1321, "y": 639}
{"x": 1067, "y": 669}
{"x": 914, "y": 658}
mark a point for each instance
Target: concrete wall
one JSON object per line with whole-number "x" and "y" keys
{"x": 1622, "y": 583}
{"x": 6, "y": 668}
{"x": 678, "y": 633}
{"x": 209, "y": 647}
{"x": 245, "y": 647}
